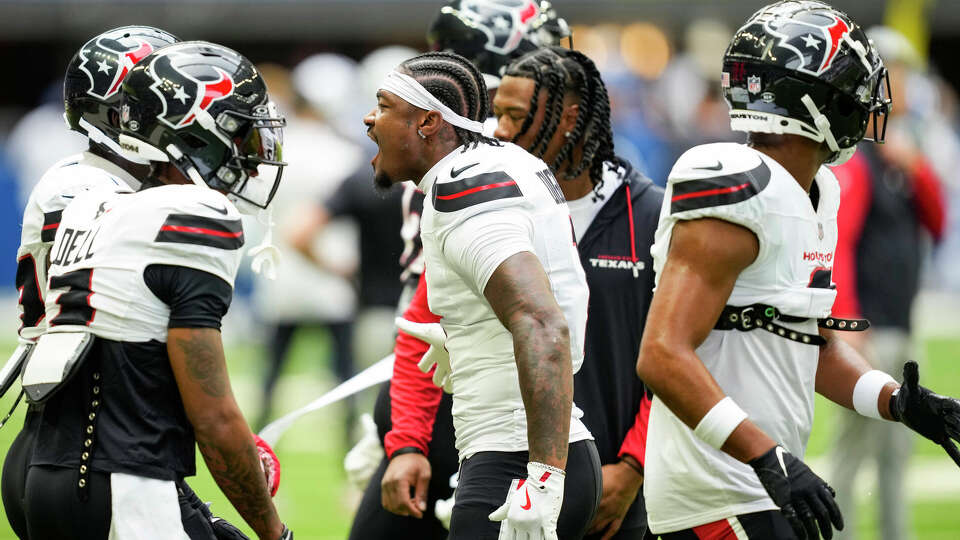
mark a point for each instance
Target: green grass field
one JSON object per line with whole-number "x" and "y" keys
{"x": 316, "y": 502}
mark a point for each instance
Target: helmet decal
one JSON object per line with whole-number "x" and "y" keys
{"x": 181, "y": 95}
{"x": 107, "y": 61}
{"x": 814, "y": 39}
{"x": 504, "y": 25}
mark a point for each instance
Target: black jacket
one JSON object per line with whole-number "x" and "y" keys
{"x": 615, "y": 253}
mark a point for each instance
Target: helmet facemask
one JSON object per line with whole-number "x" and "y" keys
{"x": 251, "y": 176}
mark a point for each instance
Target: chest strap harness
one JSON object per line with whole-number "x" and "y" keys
{"x": 765, "y": 317}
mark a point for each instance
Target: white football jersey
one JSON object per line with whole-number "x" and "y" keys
{"x": 687, "y": 482}
{"x": 57, "y": 188}
{"x": 484, "y": 204}
{"x": 106, "y": 240}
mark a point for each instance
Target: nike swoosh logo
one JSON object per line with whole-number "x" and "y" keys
{"x": 455, "y": 172}
{"x": 716, "y": 167}
{"x": 528, "y": 505}
{"x": 215, "y": 209}
{"x": 780, "y": 458}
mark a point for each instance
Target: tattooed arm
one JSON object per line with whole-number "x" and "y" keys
{"x": 520, "y": 295}
{"x": 223, "y": 436}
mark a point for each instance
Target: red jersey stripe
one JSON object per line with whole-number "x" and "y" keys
{"x": 708, "y": 192}
{"x": 718, "y": 530}
{"x": 198, "y": 230}
{"x": 476, "y": 189}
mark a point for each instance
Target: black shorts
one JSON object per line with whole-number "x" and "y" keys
{"x": 52, "y": 507}
{"x": 13, "y": 484}
{"x": 485, "y": 479}
{"x": 769, "y": 525}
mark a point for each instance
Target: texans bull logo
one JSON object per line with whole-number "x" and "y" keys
{"x": 107, "y": 61}
{"x": 183, "y": 95}
{"x": 814, "y": 38}
{"x": 502, "y": 25}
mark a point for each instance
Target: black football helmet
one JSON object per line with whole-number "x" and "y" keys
{"x": 91, "y": 87}
{"x": 801, "y": 67}
{"x": 491, "y": 33}
{"x": 205, "y": 108}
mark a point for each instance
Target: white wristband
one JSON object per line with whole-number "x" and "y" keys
{"x": 719, "y": 422}
{"x": 866, "y": 393}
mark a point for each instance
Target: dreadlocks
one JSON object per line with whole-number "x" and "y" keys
{"x": 559, "y": 72}
{"x": 456, "y": 82}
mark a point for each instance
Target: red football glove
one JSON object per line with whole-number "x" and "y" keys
{"x": 269, "y": 463}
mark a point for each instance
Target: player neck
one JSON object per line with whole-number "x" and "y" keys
{"x": 801, "y": 157}
{"x": 576, "y": 188}
{"x": 436, "y": 148}
{"x": 133, "y": 169}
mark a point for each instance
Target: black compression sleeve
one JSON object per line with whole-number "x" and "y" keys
{"x": 197, "y": 299}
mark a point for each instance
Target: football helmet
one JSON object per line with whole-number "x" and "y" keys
{"x": 491, "y": 33}
{"x": 801, "y": 67}
{"x": 205, "y": 109}
{"x": 91, "y": 87}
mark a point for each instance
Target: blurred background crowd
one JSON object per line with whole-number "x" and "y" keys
{"x": 340, "y": 280}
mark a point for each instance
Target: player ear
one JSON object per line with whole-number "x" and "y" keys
{"x": 430, "y": 123}
{"x": 568, "y": 120}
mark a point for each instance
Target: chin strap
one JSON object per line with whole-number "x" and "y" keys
{"x": 100, "y": 137}
{"x": 265, "y": 255}
{"x": 822, "y": 123}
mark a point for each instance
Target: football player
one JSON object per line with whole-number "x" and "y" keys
{"x": 412, "y": 416}
{"x": 615, "y": 211}
{"x": 740, "y": 333}
{"x": 91, "y": 101}
{"x": 514, "y": 324}
{"x": 130, "y": 372}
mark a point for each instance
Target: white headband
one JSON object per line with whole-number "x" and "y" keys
{"x": 409, "y": 90}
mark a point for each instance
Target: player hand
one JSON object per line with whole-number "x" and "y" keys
{"x": 222, "y": 529}
{"x": 620, "y": 486}
{"x": 803, "y": 497}
{"x": 433, "y": 334}
{"x": 934, "y": 416}
{"x": 406, "y": 472}
{"x": 269, "y": 463}
{"x": 532, "y": 506}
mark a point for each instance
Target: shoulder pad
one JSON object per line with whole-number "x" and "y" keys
{"x": 69, "y": 178}
{"x": 197, "y": 215}
{"x": 476, "y": 176}
{"x": 716, "y": 175}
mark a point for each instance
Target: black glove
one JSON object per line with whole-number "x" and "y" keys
{"x": 222, "y": 529}
{"x": 803, "y": 497}
{"x": 934, "y": 416}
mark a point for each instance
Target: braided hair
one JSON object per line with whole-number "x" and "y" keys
{"x": 454, "y": 81}
{"x": 560, "y": 71}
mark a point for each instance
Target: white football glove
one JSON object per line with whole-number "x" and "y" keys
{"x": 443, "y": 508}
{"x": 433, "y": 334}
{"x": 363, "y": 459}
{"x": 532, "y": 506}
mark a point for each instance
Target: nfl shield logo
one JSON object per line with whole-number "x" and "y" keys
{"x": 753, "y": 84}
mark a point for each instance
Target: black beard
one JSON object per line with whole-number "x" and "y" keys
{"x": 382, "y": 183}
